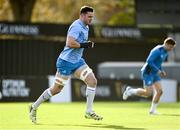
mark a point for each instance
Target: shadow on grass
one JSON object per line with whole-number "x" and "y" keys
{"x": 98, "y": 125}
{"x": 170, "y": 114}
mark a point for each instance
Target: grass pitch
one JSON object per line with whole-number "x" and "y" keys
{"x": 70, "y": 116}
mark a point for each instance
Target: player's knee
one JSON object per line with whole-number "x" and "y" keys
{"x": 92, "y": 82}
{"x": 148, "y": 93}
{"x": 60, "y": 82}
{"x": 58, "y": 85}
{"x": 56, "y": 89}
{"x": 59, "y": 88}
{"x": 56, "y": 92}
{"x": 159, "y": 92}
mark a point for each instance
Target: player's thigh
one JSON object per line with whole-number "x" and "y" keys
{"x": 79, "y": 66}
{"x": 86, "y": 74}
{"x": 158, "y": 87}
{"x": 59, "y": 82}
{"x": 148, "y": 84}
{"x": 91, "y": 80}
{"x": 148, "y": 90}
{"x": 79, "y": 70}
{"x": 64, "y": 70}
{"x": 61, "y": 79}
{"x": 147, "y": 80}
{"x": 157, "y": 83}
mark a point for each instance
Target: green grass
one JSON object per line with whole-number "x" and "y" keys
{"x": 70, "y": 116}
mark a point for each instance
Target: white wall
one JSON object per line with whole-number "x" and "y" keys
{"x": 169, "y": 87}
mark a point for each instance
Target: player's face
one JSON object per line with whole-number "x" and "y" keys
{"x": 170, "y": 47}
{"x": 88, "y": 17}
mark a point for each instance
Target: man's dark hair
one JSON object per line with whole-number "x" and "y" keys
{"x": 170, "y": 41}
{"x": 85, "y": 9}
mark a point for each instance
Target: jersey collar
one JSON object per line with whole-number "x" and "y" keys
{"x": 82, "y": 24}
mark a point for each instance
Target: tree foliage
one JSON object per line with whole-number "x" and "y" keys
{"x": 110, "y": 12}
{"x": 5, "y": 11}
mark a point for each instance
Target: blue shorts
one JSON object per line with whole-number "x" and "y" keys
{"x": 67, "y": 68}
{"x": 150, "y": 79}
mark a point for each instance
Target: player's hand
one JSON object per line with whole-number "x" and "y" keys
{"x": 90, "y": 44}
{"x": 162, "y": 73}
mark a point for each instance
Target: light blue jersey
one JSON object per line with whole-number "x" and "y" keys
{"x": 79, "y": 31}
{"x": 153, "y": 64}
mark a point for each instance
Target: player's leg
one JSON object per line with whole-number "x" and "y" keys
{"x": 60, "y": 81}
{"x": 86, "y": 75}
{"x": 156, "y": 97}
{"x": 143, "y": 92}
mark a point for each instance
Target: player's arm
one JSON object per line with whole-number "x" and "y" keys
{"x": 162, "y": 72}
{"x": 151, "y": 58}
{"x": 71, "y": 42}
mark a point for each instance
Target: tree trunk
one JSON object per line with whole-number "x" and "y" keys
{"x": 22, "y": 9}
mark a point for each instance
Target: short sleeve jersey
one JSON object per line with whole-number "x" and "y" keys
{"x": 79, "y": 31}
